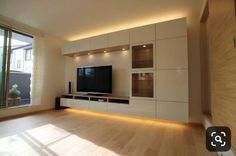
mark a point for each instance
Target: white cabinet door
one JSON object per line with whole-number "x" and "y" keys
{"x": 143, "y": 85}
{"x": 145, "y": 108}
{"x": 177, "y": 111}
{"x": 99, "y": 42}
{"x": 69, "y": 48}
{"x": 143, "y": 56}
{"x": 81, "y": 104}
{"x": 118, "y": 38}
{"x": 172, "y": 53}
{"x": 77, "y": 46}
{"x": 63, "y": 102}
{"x": 83, "y": 45}
{"x": 171, "y": 29}
{"x": 142, "y": 34}
{"x": 66, "y": 102}
{"x": 118, "y": 108}
{"x": 172, "y": 85}
{"x": 97, "y": 106}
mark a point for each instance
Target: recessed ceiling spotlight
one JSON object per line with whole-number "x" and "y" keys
{"x": 104, "y": 51}
{"x": 123, "y": 49}
{"x": 144, "y": 46}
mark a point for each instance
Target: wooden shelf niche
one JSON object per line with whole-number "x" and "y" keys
{"x": 142, "y": 56}
{"x": 142, "y": 85}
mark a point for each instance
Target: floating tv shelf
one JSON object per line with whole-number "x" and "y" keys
{"x": 111, "y": 99}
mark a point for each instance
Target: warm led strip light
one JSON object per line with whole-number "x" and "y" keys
{"x": 128, "y": 25}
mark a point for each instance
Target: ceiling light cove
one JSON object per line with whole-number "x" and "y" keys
{"x": 127, "y": 25}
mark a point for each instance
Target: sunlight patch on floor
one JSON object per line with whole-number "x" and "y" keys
{"x": 47, "y": 134}
{"x": 74, "y": 145}
{"x": 49, "y": 140}
{"x": 15, "y": 145}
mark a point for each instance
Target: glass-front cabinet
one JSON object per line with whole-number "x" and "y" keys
{"x": 143, "y": 70}
{"x": 142, "y": 84}
{"x": 143, "y": 56}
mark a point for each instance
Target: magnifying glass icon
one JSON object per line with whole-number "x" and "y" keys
{"x": 218, "y": 139}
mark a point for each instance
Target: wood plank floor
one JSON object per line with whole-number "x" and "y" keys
{"x": 78, "y": 133}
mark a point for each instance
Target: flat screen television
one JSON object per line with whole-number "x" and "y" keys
{"x": 95, "y": 80}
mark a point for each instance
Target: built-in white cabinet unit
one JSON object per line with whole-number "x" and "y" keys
{"x": 99, "y": 42}
{"x": 142, "y": 70}
{"x": 177, "y": 111}
{"x": 172, "y": 91}
{"x": 83, "y": 45}
{"x": 142, "y": 34}
{"x": 97, "y": 106}
{"x": 172, "y": 53}
{"x": 66, "y": 48}
{"x": 171, "y": 29}
{"x": 145, "y": 108}
{"x": 81, "y": 104}
{"x": 69, "y": 48}
{"x": 118, "y": 108}
{"x": 143, "y": 56}
{"x": 77, "y": 46}
{"x": 66, "y": 102}
{"x": 142, "y": 85}
{"x": 158, "y": 71}
{"x": 118, "y": 38}
{"x": 172, "y": 85}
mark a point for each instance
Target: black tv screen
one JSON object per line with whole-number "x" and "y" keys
{"x": 94, "y": 79}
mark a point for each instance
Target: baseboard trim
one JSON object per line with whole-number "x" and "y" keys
{"x": 208, "y": 123}
{"x": 24, "y": 114}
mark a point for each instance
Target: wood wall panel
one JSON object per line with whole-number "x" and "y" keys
{"x": 223, "y": 64}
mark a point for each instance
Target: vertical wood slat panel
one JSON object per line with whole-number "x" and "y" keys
{"x": 223, "y": 64}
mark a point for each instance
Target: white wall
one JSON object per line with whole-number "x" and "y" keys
{"x": 120, "y": 72}
{"x": 51, "y": 67}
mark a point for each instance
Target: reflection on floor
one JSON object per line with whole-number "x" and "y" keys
{"x": 78, "y": 133}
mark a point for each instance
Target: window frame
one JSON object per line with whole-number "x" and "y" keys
{"x": 29, "y": 52}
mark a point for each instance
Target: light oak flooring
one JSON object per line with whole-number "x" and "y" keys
{"x": 78, "y": 133}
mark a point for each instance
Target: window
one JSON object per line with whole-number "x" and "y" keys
{"x": 15, "y": 71}
{"x": 28, "y": 53}
{"x": 18, "y": 64}
{"x": 19, "y": 84}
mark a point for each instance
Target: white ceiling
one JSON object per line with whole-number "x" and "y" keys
{"x": 75, "y": 19}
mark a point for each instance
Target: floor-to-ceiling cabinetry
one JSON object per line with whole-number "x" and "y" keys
{"x": 158, "y": 69}
{"x": 142, "y": 70}
{"x": 172, "y": 70}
